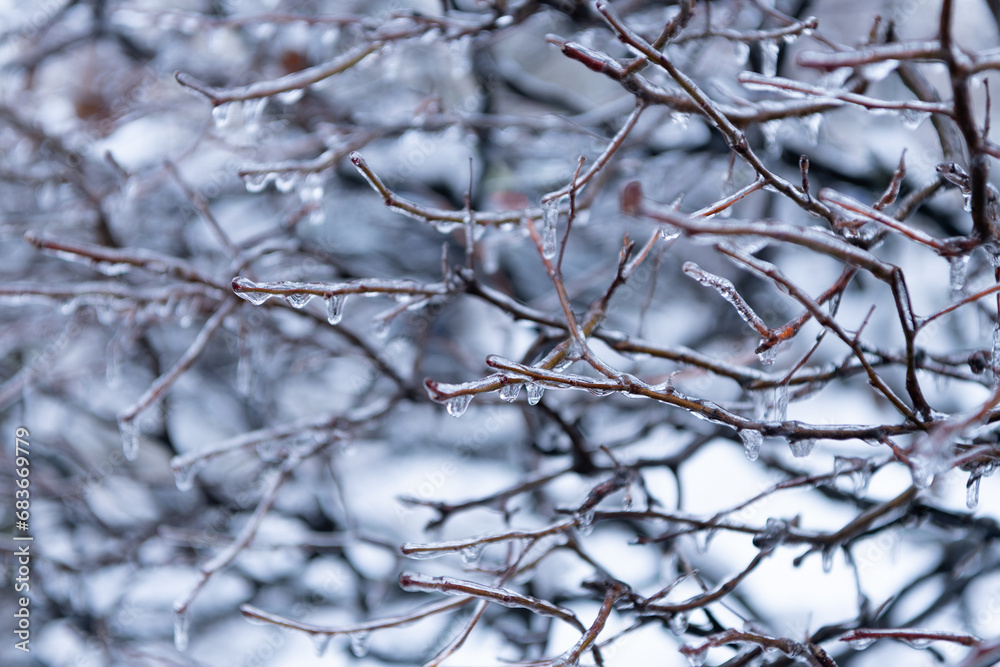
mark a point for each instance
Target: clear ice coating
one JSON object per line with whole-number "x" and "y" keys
{"x": 679, "y": 623}
{"x": 335, "y": 308}
{"x": 298, "y": 300}
{"x": 768, "y": 355}
{"x": 456, "y": 405}
{"x": 321, "y": 642}
{"x": 752, "y": 441}
{"x": 472, "y": 554}
{"x": 550, "y": 216}
{"x": 696, "y": 655}
{"x": 535, "y": 392}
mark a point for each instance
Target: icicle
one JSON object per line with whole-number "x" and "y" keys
{"x": 473, "y": 554}
{"x": 780, "y": 411}
{"x": 775, "y": 532}
{"x": 113, "y": 359}
{"x": 335, "y": 308}
{"x": 535, "y": 392}
{"x": 320, "y": 643}
{"x": 703, "y": 539}
{"x": 184, "y": 476}
{"x": 995, "y": 350}
{"x": 768, "y": 57}
{"x": 130, "y": 438}
{"x": 509, "y": 392}
{"x": 359, "y": 643}
{"x": 742, "y": 53}
{"x": 222, "y": 115}
{"x": 285, "y": 181}
{"x": 182, "y": 624}
{"x": 256, "y": 182}
{"x": 972, "y": 491}
{"x": 770, "y": 131}
{"x": 967, "y": 202}
{"x": 253, "y": 111}
{"x": 811, "y": 124}
{"x": 768, "y": 355}
{"x": 801, "y": 447}
{"x": 550, "y": 216}
{"x": 959, "y": 271}
{"x": 751, "y": 442}
{"x": 679, "y": 623}
{"x": 456, "y": 405}
{"x": 298, "y": 300}
{"x": 860, "y": 478}
{"x": 827, "y": 559}
{"x": 585, "y": 522}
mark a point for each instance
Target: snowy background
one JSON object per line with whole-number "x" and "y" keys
{"x": 290, "y": 458}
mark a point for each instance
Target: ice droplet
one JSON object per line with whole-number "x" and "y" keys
{"x": 742, "y": 53}
{"x": 320, "y": 643}
{"x": 311, "y": 188}
{"x": 335, "y": 308}
{"x": 827, "y": 559}
{"x": 768, "y": 57}
{"x": 811, "y": 125}
{"x": 967, "y": 202}
{"x": 861, "y": 643}
{"x": 585, "y": 522}
{"x": 780, "y": 410}
{"x": 752, "y": 441}
{"x": 696, "y": 655}
{"x": 912, "y": 119}
{"x": 918, "y": 642}
{"x": 253, "y": 111}
{"x": 669, "y": 232}
{"x": 535, "y": 392}
{"x": 972, "y": 491}
{"x": 184, "y": 476}
{"x": 768, "y": 355}
{"x": 256, "y": 182}
{"x": 550, "y": 216}
{"x": 472, "y": 554}
{"x": 801, "y": 447}
{"x": 359, "y": 643}
{"x": 298, "y": 300}
{"x": 222, "y": 115}
{"x": 290, "y": 96}
{"x": 286, "y": 181}
{"x": 130, "y": 438}
{"x": 679, "y": 623}
{"x": 457, "y": 404}
{"x": 959, "y": 271}
{"x": 182, "y": 624}
{"x": 113, "y": 359}
{"x": 703, "y": 540}
{"x": 509, "y": 392}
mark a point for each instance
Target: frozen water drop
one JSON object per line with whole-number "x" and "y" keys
{"x": 742, "y": 52}
{"x": 780, "y": 410}
{"x": 912, "y": 119}
{"x": 967, "y": 202}
{"x": 696, "y": 655}
{"x": 472, "y": 554}
{"x": 130, "y": 438}
{"x": 860, "y": 478}
{"x": 768, "y": 355}
{"x": 311, "y": 188}
{"x": 812, "y": 124}
{"x": 959, "y": 271}
{"x": 256, "y": 182}
{"x": 972, "y": 492}
{"x": 827, "y": 559}
{"x": 861, "y": 643}
{"x": 320, "y": 643}
{"x": 286, "y": 181}
{"x": 679, "y": 623}
{"x": 509, "y": 392}
{"x": 801, "y": 447}
{"x": 182, "y": 625}
{"x": 535, "y": 392}
{"x": 113, "y": 358}
{"x": 457, "y": 404}
{"x": 669, "y": 232}
{"x": 184, "y": 476}
{"x": 290, "y": 96}
{"x": 335, "y": 308}
{"x": 917, "y": 642}
{"x": 380, "y": 326}
{"x": 298, "y": 300}
{"x": 222, "y": 115}
{"x": 550, "y": 216}
{"x": 752, "y": 441}
{"x": 253, "y": 111}
{"x": 585, "y": 522}
{"x": 703, "y": 540}
{"x": 768, "y": 57}
{"x": 359, "y": 643}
